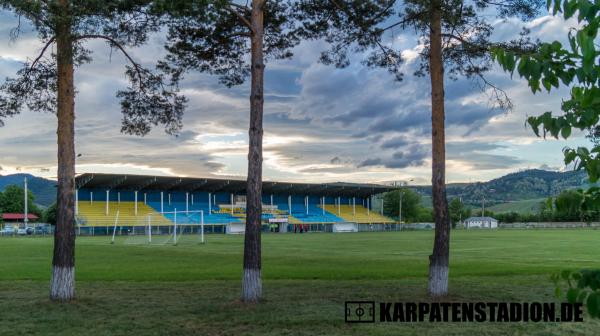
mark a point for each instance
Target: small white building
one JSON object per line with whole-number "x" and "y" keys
{"x": 481, "y": 222}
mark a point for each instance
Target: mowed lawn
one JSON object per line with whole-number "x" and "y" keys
{"x": 193, "y": 289}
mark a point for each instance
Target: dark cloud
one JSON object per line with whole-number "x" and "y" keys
{"x": 369, "y": 101}
{"x": 325, "y": 170}
{"x": 455, "y": 147}
{"x": 411, "y": 156}
{"x": 215, "y": 166}
{"x": 282, "y": 82}
{"x": 477, "y": 154}
{"x": 370, "y": 162}
{"x": 489, "y": 161}
{"x": 372, "y": 108}
{"x": 403, "y": 122}
{"x": 395, "y": 142}
{"x": 187, "y": 135}
{"x": 280, "y": 120}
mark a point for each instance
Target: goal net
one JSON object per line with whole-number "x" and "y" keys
{"x": 174, "y": 228}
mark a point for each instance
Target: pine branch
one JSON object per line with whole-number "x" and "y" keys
{"x": 138, "y": 68}
{"x": 405, "y": 21}
{"x": 40, "y": 55}
{"x": 240, "y": 16}
{"x": 361, "y": 26}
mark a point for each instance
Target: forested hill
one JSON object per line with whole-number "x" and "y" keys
{"x": 44, "y": 190}
{"x": 523, "y": 185}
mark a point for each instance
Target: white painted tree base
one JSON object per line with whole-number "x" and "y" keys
{"x": 438, "y": 281}
{"x": 251, "y": 286}
{"x": 62, "y": 285}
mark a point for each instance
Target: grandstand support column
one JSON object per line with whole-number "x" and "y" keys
{"x": 323, "y": 205}
{"x": 271, "y": 200}
{"x": 353, "y": 206}
{"x": 192, "y": 195}
{"x": 169, "y": 195}
{"x": 174, "y": 226}
{"x": 145, "y": 199}
{"x": 107, "y": 199}
{"x": 187, "y": 202}
{"x": 209, "y": 204}
{"x": 202, "y": 226}
{"x": 135, "y": 201}
{"x": 400, "y": 207}
{"x": 306, "y": 203}
{"x": 231, "y": 203}
{"x": 162, "y": 202}
{"x": 368, "y": 206}
{"x": 118, "y": 197}
{"x": 149, "y": 228}
{"x": 339, "y": 200}
{"x": 76, "y": 202}
{"x": 91, "y": 197}
{"x": 290, "y": 205}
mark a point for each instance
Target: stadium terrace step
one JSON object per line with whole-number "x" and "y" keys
{"x": 94, "y": 214}
{"x": 359, "y": 215}
{"x": 216, "y": 216}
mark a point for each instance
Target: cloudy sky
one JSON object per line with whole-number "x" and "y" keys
{"x": 321, "y": 124}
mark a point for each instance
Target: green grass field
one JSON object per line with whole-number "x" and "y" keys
{"x": 193, "y": 289}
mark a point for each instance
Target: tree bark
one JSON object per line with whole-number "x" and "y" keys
{"x": 62, "y": 287}
{"x": 252, "y": 282}
{"x": 439, "y": 259}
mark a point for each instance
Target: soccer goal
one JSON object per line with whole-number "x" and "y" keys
{"x": 162, "y": 228}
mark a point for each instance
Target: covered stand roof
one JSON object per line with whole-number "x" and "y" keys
{"x": 191, "y": 184}
{"x": 18, "y": 216}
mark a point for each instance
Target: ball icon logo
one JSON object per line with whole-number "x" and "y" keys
{"x": 360, "y": 311}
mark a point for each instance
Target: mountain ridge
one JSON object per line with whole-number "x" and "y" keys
{"x": 43, "y": 189}
{"x": 517, "y": 186}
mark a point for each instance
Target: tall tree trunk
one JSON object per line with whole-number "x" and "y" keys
{"x": 62, "y": 286}
{"x": 252, "y": 282}
{"x": 439, "y": 259}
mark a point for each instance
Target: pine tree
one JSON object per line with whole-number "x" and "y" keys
{"x": 457, "y": 41}
{"x": 46, "y": 84}
{"x": 217, "y": 37}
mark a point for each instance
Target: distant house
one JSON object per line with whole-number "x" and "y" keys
{"x": 481, "y": 222}
{"x": 17, "y": 218}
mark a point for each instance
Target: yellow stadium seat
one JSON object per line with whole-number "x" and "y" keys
{"x": 361, "y": 215}
{"x": 94, "y": 214}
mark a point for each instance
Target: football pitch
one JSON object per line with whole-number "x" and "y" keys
{"x": 193, "y": 289}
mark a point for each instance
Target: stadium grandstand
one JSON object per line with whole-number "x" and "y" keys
{"x": 137, "y": 203}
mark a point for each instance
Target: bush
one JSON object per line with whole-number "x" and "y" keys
{"x": 49, "y": 215}
{"x": 583, "y": 287}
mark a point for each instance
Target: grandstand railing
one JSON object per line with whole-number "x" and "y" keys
{"x": 124, "y": 229}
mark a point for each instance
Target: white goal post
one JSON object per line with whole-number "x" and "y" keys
{"x": 169, "y": 227}
{"x": 186, "y": 219}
